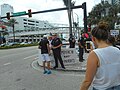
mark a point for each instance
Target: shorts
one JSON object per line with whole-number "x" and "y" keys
{"x": 45, "y": 57}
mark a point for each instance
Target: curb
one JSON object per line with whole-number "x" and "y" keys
{"x": 35, "y": 65}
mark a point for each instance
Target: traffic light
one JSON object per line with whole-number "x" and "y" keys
{"x": 29, "y": 13}
{"x": 8, "y": 15}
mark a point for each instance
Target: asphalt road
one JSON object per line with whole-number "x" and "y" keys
{"x": 16, "y": 73}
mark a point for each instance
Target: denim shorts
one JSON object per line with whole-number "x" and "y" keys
{"x": 112, "y": 88}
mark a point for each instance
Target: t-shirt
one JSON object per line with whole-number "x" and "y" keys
{"x": 43, "y": 44}
{"x": 55, "y": 42}
{"x": 81, "y": 40}
{"x": 72, "y": 42}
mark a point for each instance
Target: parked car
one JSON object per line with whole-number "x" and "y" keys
{"x": 2, "y": 45}
{"x": 23, "y": 43}
{"x": 11, "y": 43}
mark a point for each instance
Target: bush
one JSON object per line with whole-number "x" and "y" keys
{"x": 19, "y": 46}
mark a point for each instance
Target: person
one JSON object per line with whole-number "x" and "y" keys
{"x": 103, "y": 63}
{"x": 81, "y": 45}
{"x": 45, "y": 51}
{"x": 111, "y": 41}
{"x": 72, "y": 41}
{"x": 56, "y": 48}
{"x": 50, "y": 40}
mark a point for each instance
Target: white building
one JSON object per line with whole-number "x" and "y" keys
{"x": 31, "y": 30}
{"x": 28, "y": 24}
{"x": 6, "y": 8}
{"x": 26, "y": 29}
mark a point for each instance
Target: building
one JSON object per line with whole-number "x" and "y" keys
{"x": 6, "y": 8}
{"x": 26, "y": 29}
{"x": 113, "y": 1}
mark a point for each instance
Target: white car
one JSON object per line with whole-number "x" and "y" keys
{"x": 23, "y": 43}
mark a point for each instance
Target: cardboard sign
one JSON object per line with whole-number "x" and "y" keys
{"x": 68, "y": 55}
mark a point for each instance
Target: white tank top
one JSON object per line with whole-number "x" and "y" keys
{"x": 108, "y": 73}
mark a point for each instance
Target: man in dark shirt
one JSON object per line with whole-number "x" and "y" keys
{"x": 81, "y": 45}
{"x": 56, "y": 48}
{"x": 72, "y": 41}
{"x": 45, "y": 51}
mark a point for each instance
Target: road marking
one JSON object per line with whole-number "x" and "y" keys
{"x": 30, "y": 56}
{"x": 6, "y": 64}
{"x": 55, "y": 72}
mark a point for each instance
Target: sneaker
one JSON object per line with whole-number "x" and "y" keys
{"x": 63, "y": 67}
{"x": 49, "y": 72}
{"x": 45, "y": 72}
{"x": 55, "y": 67}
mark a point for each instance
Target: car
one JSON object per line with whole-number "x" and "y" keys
{"x": 11, "y": 43}
{"x": 23, "y": 43}
{"x": 29, "y": 42}
{"x": 2, "y": 45}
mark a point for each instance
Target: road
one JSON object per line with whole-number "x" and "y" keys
{"x": 16, "y": 73}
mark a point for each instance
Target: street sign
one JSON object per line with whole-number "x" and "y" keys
{"x": 114, "y": 32}
{"x": 19, "y": 13}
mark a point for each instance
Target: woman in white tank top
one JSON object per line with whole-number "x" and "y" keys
{"x": 103, "y": 63}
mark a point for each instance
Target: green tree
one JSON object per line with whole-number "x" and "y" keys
{"x": 104, "y": 11}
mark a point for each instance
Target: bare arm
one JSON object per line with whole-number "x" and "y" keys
{"x": 92, "y": 65}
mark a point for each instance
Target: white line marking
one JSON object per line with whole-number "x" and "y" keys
{"x": 6, "y": 64}
{"x": 30, "y": 56}
{"x": 38, "y": 69}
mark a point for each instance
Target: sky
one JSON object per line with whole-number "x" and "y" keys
{"x": 52, "y": 17}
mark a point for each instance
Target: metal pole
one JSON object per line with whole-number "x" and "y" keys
{"x": 85, "y": 17}
{"x": 69, "y": 16}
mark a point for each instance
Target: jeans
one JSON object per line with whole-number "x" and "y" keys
{"x": 112, "y": 88}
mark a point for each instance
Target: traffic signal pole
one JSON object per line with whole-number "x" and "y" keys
{"x": 85, "y": 17}
{"x": 46, "y": 11}
{"x": 83, "y": 6}
{"x": 69, "y": 16}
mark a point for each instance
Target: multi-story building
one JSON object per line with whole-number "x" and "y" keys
{"x": 6, "y": 8}
{"x": 26, "y": 29}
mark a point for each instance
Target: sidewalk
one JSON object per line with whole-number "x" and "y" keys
{"x": 79, "y": 66}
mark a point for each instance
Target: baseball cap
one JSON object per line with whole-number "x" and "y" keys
{"x": 44, "y": 35}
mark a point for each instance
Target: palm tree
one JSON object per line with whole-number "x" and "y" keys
{"x": 12, "y": 23}
{"x": 68, "y": 4}
{"x": 65, "y": 2}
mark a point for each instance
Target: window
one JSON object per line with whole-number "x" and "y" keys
{"x": 30, "y": 21}
{"x": 24, "y": 19}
